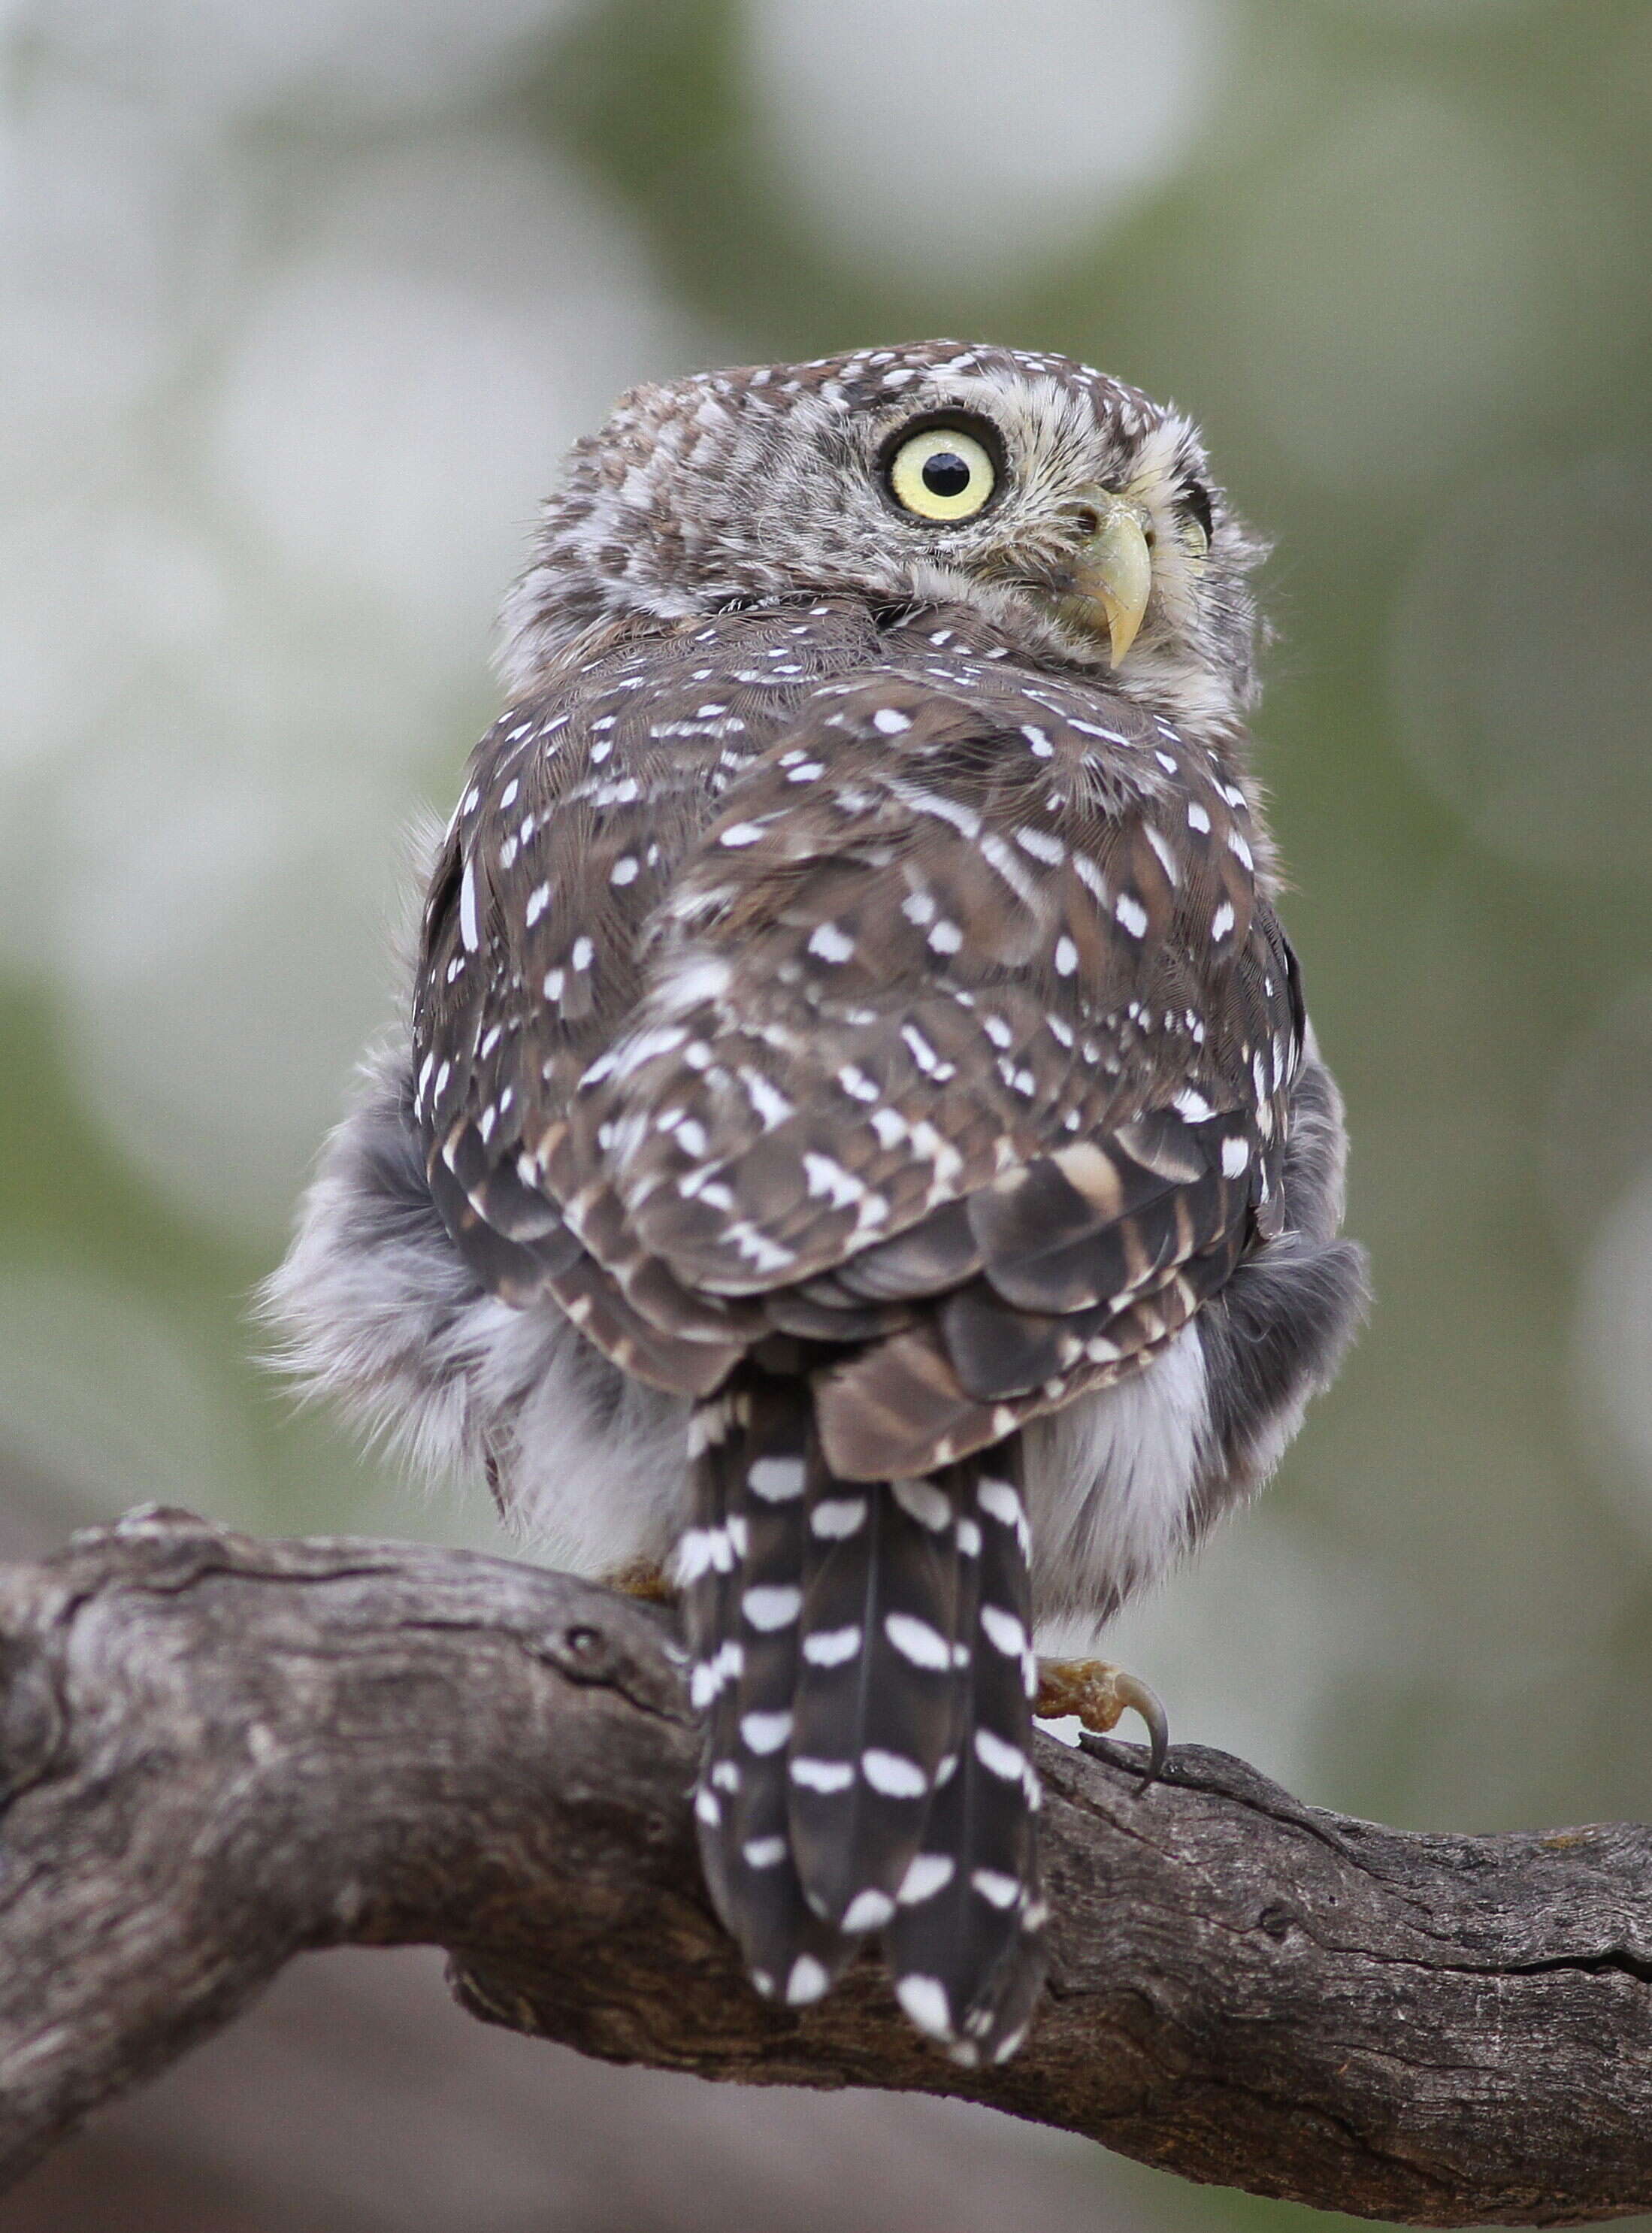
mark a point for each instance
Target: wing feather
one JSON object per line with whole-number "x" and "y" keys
{"x": 925, "y": 1010}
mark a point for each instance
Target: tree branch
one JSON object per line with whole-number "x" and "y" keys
{"x": 216, "y": 1752}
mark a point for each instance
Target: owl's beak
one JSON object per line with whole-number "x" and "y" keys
{"x": 1112, "y": 575}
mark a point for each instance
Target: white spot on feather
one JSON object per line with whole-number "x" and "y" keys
{"x": 892, "y": 1775}
{"x": 829, "y": 943}
{"x": 925, "y": 2003}
{"x": 776, "y": 1480}
{"x": 916, "y": 1640}
{"x": 826, "y": 1776}
{"x": 807, "y": 1983}
{"x": 929, "y": 1874}
{"x": 922, "y": 1501}
{"x": 835, "y": 1517}
{"x": 1004, "y": 1631}
{"x": 868, "y": 1910}
{"x": 999, "y": 1500}
{"x": 830, "y": 1647}
{"x": 772, "y": 1605}
{"x": 1004, "y": 1761}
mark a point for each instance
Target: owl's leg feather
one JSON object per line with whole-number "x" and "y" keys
{"x": 1099, "y": 1693}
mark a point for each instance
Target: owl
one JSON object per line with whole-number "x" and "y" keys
{"x": 856, "y": 1147}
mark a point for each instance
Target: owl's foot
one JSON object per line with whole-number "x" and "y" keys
{"x": 642, "y": 1578}
{"x": 1098, "y": 1693}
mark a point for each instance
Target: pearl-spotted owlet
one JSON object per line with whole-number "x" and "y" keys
{"x": 856, "y": 1146}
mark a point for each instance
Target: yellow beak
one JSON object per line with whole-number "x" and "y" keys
{"x": 1112, "y": 574}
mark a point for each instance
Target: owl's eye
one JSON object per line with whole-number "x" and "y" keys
{"x": 943, "y": 473}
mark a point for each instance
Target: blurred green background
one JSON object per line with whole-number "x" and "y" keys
{"x": 299, "y": 306}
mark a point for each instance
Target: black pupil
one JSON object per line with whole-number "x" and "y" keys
{"x": 946, "y": 473}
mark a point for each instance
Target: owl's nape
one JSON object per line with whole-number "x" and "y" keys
{"x": 858, "y": 1144}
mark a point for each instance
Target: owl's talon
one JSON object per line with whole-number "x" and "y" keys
{"x": 1098, "y": 1693}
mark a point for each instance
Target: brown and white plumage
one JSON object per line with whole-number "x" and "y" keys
{"x": 859, "y": 1081}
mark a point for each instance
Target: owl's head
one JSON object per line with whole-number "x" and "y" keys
{"x": 1073, "y": 513}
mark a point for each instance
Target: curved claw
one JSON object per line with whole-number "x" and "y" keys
{"x": 1097, "y": 1693}
{"x": 1131, "y": 1691}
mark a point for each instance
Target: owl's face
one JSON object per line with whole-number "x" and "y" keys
{"x": 1074, "y": 514}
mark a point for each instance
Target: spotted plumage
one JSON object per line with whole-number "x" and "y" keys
{"x": 861, "y": 1138}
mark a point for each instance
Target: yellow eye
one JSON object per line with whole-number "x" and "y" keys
{"x": 942, "y": 474}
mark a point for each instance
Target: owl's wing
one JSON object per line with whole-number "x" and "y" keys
{"x": 960, "y": 1040}
{"x": 579, "y": 809}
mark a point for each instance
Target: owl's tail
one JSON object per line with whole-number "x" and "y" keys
{"x": 861, "y": 1653}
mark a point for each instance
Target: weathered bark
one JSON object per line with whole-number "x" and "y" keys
{"x": 216, "y": 1752}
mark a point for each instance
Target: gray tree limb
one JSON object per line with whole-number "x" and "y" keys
{"x": 216, "y": 1752}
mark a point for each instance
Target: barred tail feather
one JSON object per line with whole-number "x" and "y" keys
{"x": 705, "y": 1568}
{"x": 861, "y": 1654}
{"x": 882, "y": 1670}
{"x": 967, "y": 1946}
{"x": 741, "y": 1568}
